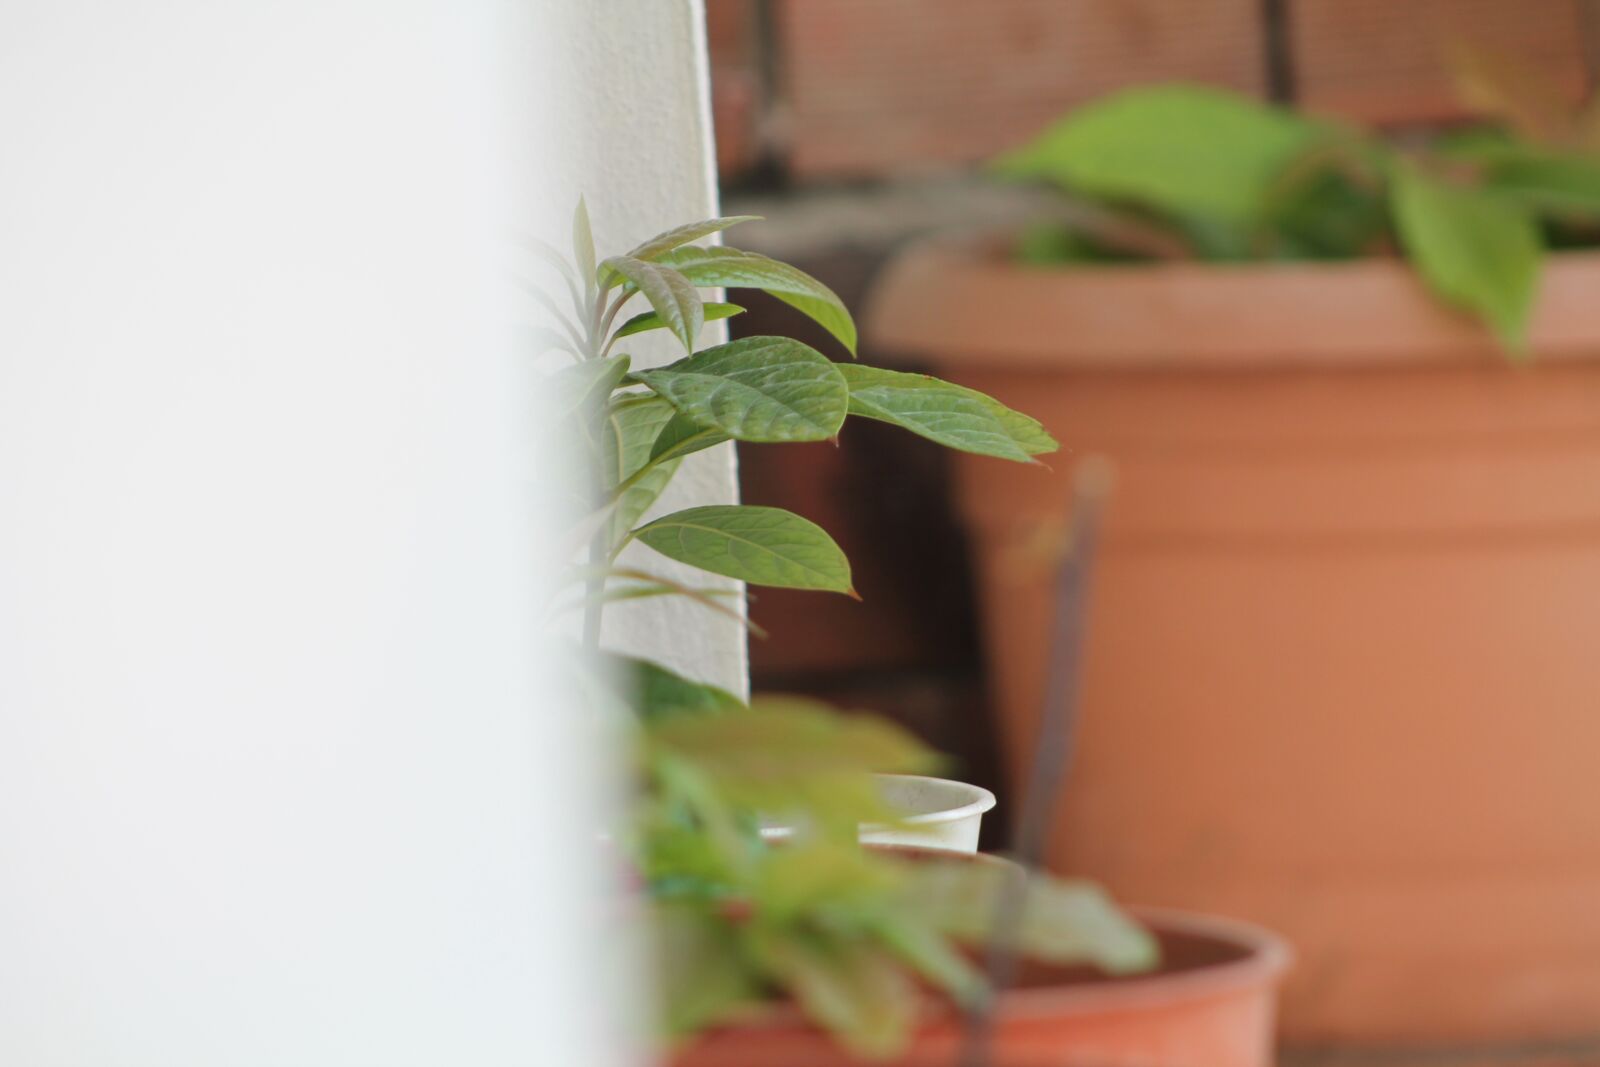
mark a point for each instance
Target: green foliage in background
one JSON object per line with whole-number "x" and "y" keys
{"x": 1180, "y": 171}
{"x": 849, "y": 934}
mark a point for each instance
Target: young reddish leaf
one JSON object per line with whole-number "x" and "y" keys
{"x": 733, "y": 268}
{"x": 682, "y": 235}
{"x": 672, "y": 295}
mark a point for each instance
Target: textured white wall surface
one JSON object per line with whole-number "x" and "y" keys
{"x": 637, "y": 118}
{"x": 283, "y": 779}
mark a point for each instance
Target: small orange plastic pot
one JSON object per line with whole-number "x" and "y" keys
{"x": 1211, "y": 1004}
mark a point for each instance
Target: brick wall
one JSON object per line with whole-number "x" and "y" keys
{"x": 880, "y": 88}
{"x": 1386, "y": 61}
{"x": 738, "y": 102}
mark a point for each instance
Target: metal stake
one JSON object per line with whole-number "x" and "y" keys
{"x": 1052, "y": 753}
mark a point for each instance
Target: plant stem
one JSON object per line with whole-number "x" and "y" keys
{"x": 599, "y": 545}
{"x": 610, "y": 316}
{"x": 1052, "y": 749}
{"x": 599, "y": 560}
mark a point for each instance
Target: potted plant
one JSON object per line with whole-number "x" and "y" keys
{"x": 812, "y": 948}
{"x": 1350, "y": 386}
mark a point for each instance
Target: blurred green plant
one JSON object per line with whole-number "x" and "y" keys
{"x": 850, "y": 935}
{"x": 1182, "y": 171}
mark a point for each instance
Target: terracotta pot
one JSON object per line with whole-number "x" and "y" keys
{"x": 1211, "y": 1005}
{"x": 1342, "y": 676}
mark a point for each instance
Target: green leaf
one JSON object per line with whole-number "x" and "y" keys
{"x": 583, "y": 243}
{"x": 552, "y": 258}
{"x": 680, "y": 795}
{"x": 733, "y": 268}
{"x": 839, "y": 882}
{"x": 584, "y": 386}
{"x": 1180, "y": 148}
{"x": 948, "y": 414}
{"x": 681, "y": 436}
{"x": 1061, "y": 922}
{"x": 639, "y": 495}
{"x": 1474, "y": 249}
{"x": 633, "y": 423}
{"x": 785, "y": 743}
{"x": 678, "y": 859}
{"x": 799, "y": 763}
{"x": 655, "y": 692}
{"x": 1549, "y": 184}
{"x": 577, "y": 395}
{"x": 631, "y": 430}
{"x": 545, "y": 339}
{"x": 702, "y": 978}
{"x": 1331, "y": 204}
{"x": 764, "y": 546}
{"x": 855, "y": 990}
{"x": 1068, "y": 922}
{"x": 649, "y": 320}
{"x": 557, "y": 316}
{"x": 931, "y": 955}
{"x": 757, "y": 389}
{"x": 672, "y": 295}
{"x": 646, "y": 440}
{"x": 682, "y": 235}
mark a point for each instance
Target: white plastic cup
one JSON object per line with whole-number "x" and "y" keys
{"x": 935, "y": 813}
{"x": 938, "y": 813}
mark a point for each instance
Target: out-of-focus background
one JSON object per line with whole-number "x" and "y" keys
{"x": 1337, "y": 679}
{"x": 855, "y": 127}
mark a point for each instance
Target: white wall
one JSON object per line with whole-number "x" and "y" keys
{"x": 637, "y": 118}
{"x": 282, "y": 779}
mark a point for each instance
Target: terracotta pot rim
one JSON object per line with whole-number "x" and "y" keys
{"x": 1267, "y": 957}
{"x": 956, "y": 300}
{"x": 987, "y": 250}
{"x": 1265, "y": 960}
